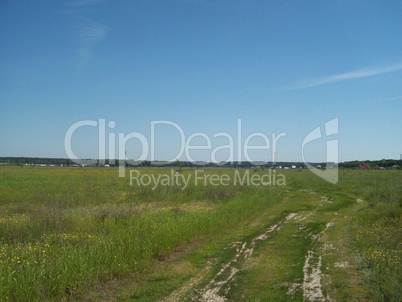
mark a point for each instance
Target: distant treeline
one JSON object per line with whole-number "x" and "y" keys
{"x": 97, "y": 162}
{"x": 384, "y": 163}
{"x": 36, "y": 161}
{"x": 369, "y": 164}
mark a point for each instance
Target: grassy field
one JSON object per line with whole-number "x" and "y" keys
{"x": 84, "y": 234}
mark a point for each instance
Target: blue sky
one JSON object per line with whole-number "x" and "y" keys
{"x": 279, "y": 66}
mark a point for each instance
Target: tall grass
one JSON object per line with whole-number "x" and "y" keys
{"x": 378, "y": 236}
{"x": 63, "y": 230}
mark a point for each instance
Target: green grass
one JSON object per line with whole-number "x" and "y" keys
{"x": 79, "y": 227}
{"x": 378, "y": 237}
{"x": 88, "y": 230}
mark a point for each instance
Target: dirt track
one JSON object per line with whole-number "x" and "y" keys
{"x": 312, "y": 287}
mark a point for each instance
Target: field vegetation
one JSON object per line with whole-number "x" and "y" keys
{"x": 79, "y": 234}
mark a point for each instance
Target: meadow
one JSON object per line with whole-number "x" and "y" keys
{"x": 76, "y": 234}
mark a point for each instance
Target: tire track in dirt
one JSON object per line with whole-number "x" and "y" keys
{"x": 312, "y": 273}
{"x": 217, "y": 289}
{"x": 177, "y": 294}
{"x": 212, "y": 292}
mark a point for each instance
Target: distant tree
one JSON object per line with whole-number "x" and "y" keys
{"x": 146, "y": 163}
{"x": 179, "y": 164}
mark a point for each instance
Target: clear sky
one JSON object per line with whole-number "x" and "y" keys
{"x": 279, "y": 66}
